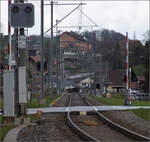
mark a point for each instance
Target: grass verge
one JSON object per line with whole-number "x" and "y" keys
{"x": 34, "y": 103}
{"x": 142, "y": 113}
{"x": 32, "y": 117}
{"x": 118, "y": 99}
{"x": 4, "y": 129}
{"x": 31, "y": 104}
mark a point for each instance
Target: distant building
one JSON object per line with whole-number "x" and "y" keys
{"x": 74, "y": 47}
{"x": 115, "y": 80}
{"x": 73, "y": 43}
{"x": 33, "y": 46}
{"x": 86, "y": 83}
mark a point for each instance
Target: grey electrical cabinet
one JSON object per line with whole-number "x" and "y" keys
{"x": 22, "y": 85}
{"x": 9, "y": 94}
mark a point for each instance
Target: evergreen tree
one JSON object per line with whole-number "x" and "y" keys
{"x": 146, "y": 65}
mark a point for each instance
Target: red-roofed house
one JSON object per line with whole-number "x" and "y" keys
{"x": 71, "y": 39}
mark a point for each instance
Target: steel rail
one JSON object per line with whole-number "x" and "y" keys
{"x": 76, "y": 129}
{"x": 117, "y": 127}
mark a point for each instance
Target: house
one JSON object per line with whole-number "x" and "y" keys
{"x": 141, "y": 78}
{"x": 86, "y": 83}
{"x": 33, "y": 45}
{"x": 137, "y": 85}
{"x": 73, "y": 43}
{"x": 115, "y": 80}
{"x": 75, "y": 48}
{"x": 34, "y": 63}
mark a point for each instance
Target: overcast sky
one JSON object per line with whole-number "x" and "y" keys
{"x": 121, "y": 16}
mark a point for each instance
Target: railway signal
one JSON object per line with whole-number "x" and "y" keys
{"x": 22, "y": 15}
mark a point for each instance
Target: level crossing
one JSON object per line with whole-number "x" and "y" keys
{"x": 81, "y": 109}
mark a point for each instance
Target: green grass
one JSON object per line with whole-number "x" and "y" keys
{"x": 35, "y": 102}
{"x": 114, "y": 100}
{"x": 1, "y": 119}
{"x": 118, "y": 99}
{"x": 139, "y": 70}
{"x": 1, "y": 102}
{"x": 4, "y": 129}
{"x": 142, "y": 113}
{"x": 32, "y": 117}
{"x": 140, "y": 103}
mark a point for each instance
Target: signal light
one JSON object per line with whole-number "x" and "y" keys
{"x": 28, "y": 9}
{"x": 15, "y": 9}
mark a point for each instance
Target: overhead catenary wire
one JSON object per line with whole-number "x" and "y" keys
{"x": 64, "y": 17}
{"x": 87, "y": 17}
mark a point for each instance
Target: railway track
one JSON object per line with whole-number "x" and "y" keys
{"x": 75, "y": 128}
{"x": 118, "y": 132}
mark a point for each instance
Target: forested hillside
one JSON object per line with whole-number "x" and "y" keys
{"x": 112, "y": 46}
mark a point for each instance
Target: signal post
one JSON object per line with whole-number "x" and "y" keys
{"x": 21, "y": 16}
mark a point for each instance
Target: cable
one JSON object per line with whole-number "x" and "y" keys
{"x": 88, "y": 17}
{"x": 64, "y": 17}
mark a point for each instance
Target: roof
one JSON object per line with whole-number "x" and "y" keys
{"x": 77, "y": 36}
{"x": 73, "y": 39}
{"x": 116, "y": 77}
{"x": 86, "y": 80}
{"x": 35, "y": 58}
{"x": 141, "y": 78}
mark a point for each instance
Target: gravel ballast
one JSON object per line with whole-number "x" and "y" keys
{"x": 126, "y": 119}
